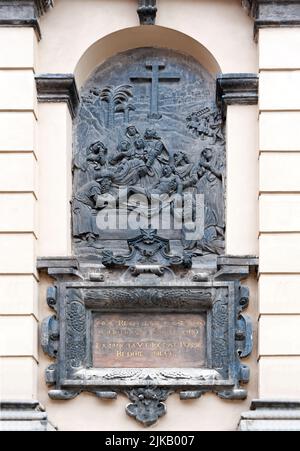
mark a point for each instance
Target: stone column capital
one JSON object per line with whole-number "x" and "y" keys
{"x": 58, "y": 88}
{"x": 237, "y": 89}
{"x": 23, "y": 13}
{"x": 273, "y": 13}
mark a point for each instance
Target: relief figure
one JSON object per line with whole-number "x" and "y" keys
{"x": 129, "y": 167}
{"x": 157, "y": 157}
{"x": 169, "y": 183}
{"x": 211, "y": 184}
{"x": 84, "y": 207}
{"x": 185, "y": 169}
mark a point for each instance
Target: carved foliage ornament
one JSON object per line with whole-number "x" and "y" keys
{"x": 147, "y": 404}
{"x": 147, "y": 249}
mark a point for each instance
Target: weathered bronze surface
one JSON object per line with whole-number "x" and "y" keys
{"x": 148, "y": 125}
{"x": 136, "y": 340}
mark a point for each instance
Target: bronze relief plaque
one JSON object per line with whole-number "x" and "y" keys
{"x": 132, "y": 340}
{"x": 148, "y": 125}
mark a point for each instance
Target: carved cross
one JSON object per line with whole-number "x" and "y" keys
{"x": 154, "y": 77}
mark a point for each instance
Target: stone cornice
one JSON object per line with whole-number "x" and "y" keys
{"x": 57, "y": 88}
{"x": 273, "y": 13}
{"x": 24, "y": 416}
{"x": 23, "y": 13}
{"x": 237, "y": 89}
{"x": 272, "y": 416}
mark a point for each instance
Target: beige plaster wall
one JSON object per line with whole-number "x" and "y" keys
{"x": 242, "y": 180}
{"x": 55, "y": 179}
{"x": 222, "y": 28}
{"x": 279, "y": 182}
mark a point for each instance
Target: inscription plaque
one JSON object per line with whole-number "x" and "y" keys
{"x": 147, "y": 341}
{"x": 161, "y": 341}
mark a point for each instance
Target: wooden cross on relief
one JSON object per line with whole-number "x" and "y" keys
{"x": 154, "y": 77}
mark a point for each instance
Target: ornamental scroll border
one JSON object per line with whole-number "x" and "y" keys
{"x": 66, "y": 337}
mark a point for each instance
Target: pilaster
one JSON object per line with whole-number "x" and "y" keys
{"x": 279, "y": 105}
{"x": 18, "y": 205}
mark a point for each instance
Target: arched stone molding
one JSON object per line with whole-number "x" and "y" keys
{"x": 139, "y": 37}
{"x": 16, "y": 13}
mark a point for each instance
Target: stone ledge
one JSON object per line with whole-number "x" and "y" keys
{"x": 223, "y": 268}
{"x": 237, "y": 89}
{"x": 21, "y": 416}
{"x": 44, "y": 263}
{"x": 57, "y": 88}
{"x": 23, "y": 13}
{"x": 270, "y": 13}
{"x": 271, "y": 415}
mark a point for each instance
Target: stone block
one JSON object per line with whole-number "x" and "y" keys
{"x": 279, "y": 213}
{"x": 17, "y": 90}
{"x": 279, "y": 131}
{"x": 279, "y": 377}
{"x": 18, "y": 295}
{"x": 280, "y": 253}
{"x": 279, "y": 172}
{"x": 279, "y": 335}
{"x": 18, "y": 132}
{"x": 18, "y": 336}
{"x": 279, "y": 48}
{"x": 18, "y": 48}
{"x": 18, "y": 212}
{"x": 17, "y": 253}
{"x": 18, "y": 172}
{"x": 279, "y": 90}
{"x": 18, "y": 378}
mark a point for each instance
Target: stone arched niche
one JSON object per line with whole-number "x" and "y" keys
{"x": 151, "y": 310}
{"x": 127, "y": 39}
{"x": 148, "y": 121}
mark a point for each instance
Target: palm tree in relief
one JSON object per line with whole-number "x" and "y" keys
{"x": 116, "y": 99}
{"x": 125, "y": 108}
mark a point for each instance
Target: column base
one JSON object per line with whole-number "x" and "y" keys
{"x": 21, "y": 416}
{"x": 271, "y": 415}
